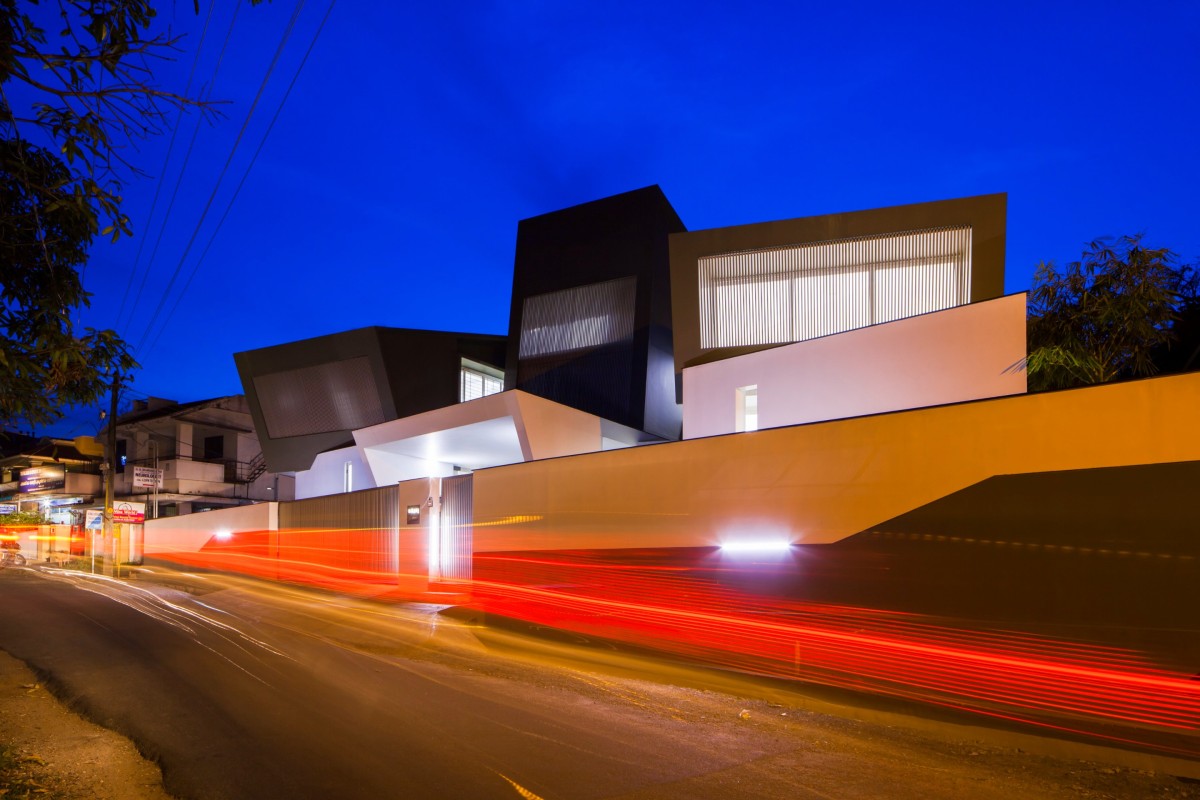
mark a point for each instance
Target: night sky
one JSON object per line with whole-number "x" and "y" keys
{"x": 417, "y": 135}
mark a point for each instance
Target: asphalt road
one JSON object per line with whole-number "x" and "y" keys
{"x": 240, "y": 690}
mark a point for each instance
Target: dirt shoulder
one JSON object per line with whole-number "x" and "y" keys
{"x": 47, "y": 751}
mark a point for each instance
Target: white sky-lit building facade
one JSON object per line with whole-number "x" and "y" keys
{"x": 644, "y": 332}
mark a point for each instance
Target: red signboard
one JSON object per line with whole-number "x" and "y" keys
{"x": 129, "y": 513}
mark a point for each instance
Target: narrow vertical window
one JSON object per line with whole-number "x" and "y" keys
{"x": 746, "y": 408}
{"x": 348, "y": 476}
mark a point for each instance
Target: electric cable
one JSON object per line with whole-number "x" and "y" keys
{"x": 183, "y": 168}
{"x": 220, "y": 177}
{"x": 166, "y": 161}
{"x": 242, "y": 182}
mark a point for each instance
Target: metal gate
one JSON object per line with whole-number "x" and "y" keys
{"x": 455, "y": 532}
{"x": 356, "y": 531}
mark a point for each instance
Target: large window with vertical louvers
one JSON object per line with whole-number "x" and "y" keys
{"x": 789, "y": 294}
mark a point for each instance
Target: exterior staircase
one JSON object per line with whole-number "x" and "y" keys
{"x": 256, "y": 467}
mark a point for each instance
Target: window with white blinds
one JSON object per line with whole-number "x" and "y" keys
{"x": 789, "y": 294}
{"x": 476, "y": 380}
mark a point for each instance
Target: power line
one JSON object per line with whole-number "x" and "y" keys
{"x": 182, "y": 169}
{"x": 245, "y": 175}
{"x": 220, "y": 177}
{"x": 166, "y": 161}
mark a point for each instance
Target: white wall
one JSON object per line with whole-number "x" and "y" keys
{"x": 189, "y": 532}
{"x": 962, "y": 353}
{"x": 326, "y": 476}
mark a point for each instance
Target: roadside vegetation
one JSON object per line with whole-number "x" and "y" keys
{"x": 20, "y": 775}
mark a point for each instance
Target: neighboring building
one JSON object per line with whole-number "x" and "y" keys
{"x": 208, "y": 453}
{"x": 47, "y": 476}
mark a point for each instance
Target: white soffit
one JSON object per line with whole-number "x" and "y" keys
{"x": 476, "y": 434}
{"x": 478, "y": 445}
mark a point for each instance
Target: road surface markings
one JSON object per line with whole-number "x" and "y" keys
{"x": 1062, "y": 548}
{"x": 521, "y": 790}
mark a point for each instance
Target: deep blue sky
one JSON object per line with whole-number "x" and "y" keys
{"x": 419, "y": 134}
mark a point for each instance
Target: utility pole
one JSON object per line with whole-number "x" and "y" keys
{"x": 110, "y": 555}
{"x": 157, "y": 476}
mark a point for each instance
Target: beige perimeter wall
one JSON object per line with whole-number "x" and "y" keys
{"x": 822, "y": 482}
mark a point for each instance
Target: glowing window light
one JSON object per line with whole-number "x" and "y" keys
{"x": 224, "y": 535}
{"x": 478, "y": 380}
{"x": 746, "y": 408}
{"x": 799, "y": 292}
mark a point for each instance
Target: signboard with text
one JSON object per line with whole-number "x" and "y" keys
{"x": 126, "y": 513}
{"x": 42, "y": 479}
{"x": 147, "y": 478}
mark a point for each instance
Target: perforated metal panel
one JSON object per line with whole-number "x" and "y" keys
{"x": 336, "y": 396}
{"x": 578, "y": 318}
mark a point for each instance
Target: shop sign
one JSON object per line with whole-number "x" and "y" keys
{"x": 147, "y": 478}
{"x": 8, "y": 508}
{"x": 43, "y": 479}
{"x": 126, "y": 513}
{"x": 123, "y": 513}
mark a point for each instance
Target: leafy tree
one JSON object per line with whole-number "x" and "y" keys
{"x": 1104, "y": 317}
{"x": 44, "y": 362}
{"x": 61, "y": 166}
{"x": 1183, "y": 354}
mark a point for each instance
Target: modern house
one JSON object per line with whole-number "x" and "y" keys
{"x": 795, "y": 382}
{"x": 627, "y": 330}
{"x": 696, "y": 426}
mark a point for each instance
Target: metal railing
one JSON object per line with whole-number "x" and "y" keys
{"x": 235, "y": 471}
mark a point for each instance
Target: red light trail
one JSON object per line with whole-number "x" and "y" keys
{"x": 1106, "y": 692}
